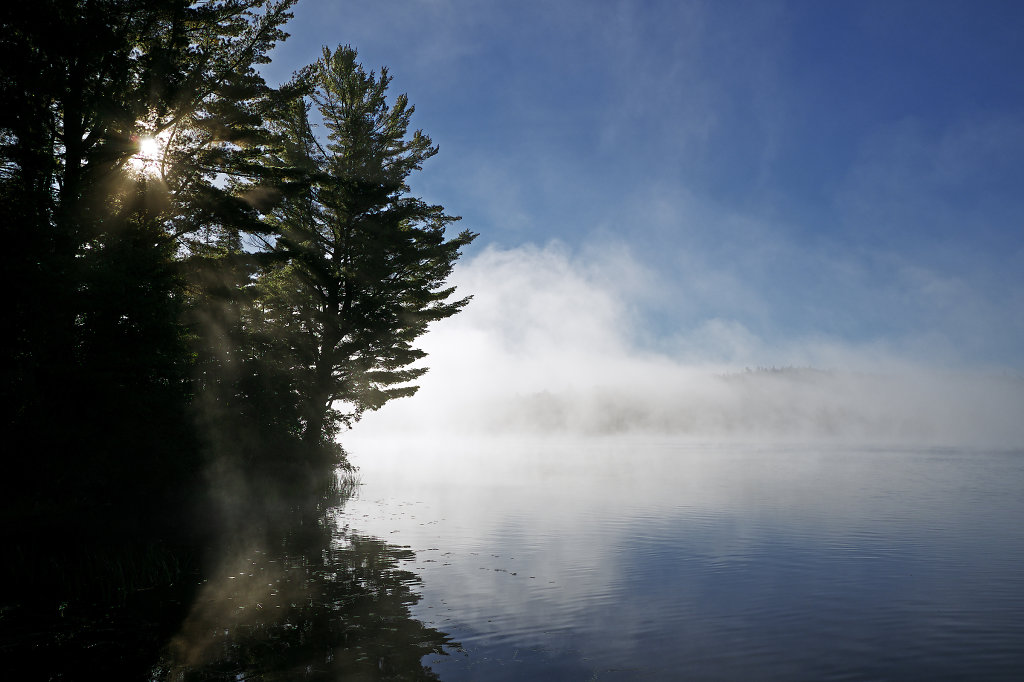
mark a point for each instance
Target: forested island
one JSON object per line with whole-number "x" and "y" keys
{"x": 207, "y": 277}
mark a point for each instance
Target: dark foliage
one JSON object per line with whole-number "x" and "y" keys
{"x": 365, "y": 264}
{"x": 193, "y": 283}
{"x": 101, "y": 374}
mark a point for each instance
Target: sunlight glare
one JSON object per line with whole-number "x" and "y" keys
{"x": 149, "y": 158}
{"x": 149, "y": 147}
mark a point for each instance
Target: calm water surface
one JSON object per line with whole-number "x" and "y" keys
{"x": 657, "y": 560}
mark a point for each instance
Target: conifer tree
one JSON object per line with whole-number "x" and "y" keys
{"x": 367, "y": 264}
{"x": 99, "y": 365}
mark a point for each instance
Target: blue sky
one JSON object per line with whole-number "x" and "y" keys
{"x": 751, "y": 182}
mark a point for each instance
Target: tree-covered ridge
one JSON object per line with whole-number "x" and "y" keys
{"x": 202, "y": 289}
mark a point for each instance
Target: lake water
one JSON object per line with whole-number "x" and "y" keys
{"x": 633, "y": 560}
{"x": 653, "y": 559}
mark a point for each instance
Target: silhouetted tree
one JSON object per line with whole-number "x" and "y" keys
{"x": 100, "y": 361}
{"x": 194, "y": 275}
{"x": 367, "y": 263}
{"x": 199, "y": 272}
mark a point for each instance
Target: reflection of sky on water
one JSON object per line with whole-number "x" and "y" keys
{"x": 722, "y": 564}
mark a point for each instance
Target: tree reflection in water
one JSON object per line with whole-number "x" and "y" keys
{"x": 312, "y": 602}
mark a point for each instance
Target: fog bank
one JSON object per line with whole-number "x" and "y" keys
{"x": 557, "y": 343}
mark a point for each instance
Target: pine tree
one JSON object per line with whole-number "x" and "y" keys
{"x": 99, "y": 364}
{"x": 367, "y": 263}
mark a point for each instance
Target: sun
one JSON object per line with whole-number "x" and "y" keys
{"x": 149, "y": 147}
{"x": 149, "y": 158}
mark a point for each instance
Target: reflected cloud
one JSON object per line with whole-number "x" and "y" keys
{"x": 647, "y": 557}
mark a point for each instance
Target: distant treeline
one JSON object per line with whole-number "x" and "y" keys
{"x": 200, "y": 290}
{"x": 915, "y": 408}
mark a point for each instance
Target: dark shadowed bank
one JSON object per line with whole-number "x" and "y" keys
{"x": 202, "y": 293}
{"x": 292, "y": 594}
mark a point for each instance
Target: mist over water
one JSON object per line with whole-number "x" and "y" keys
{"x": 587, "y": 486}
{"x": 557, "y": 343}
{"x": 600, "y": 484}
